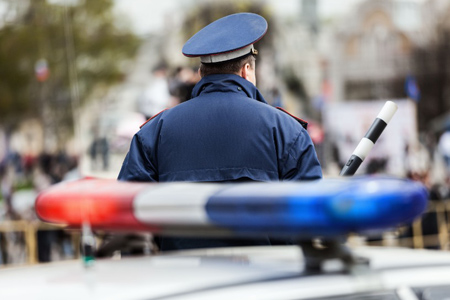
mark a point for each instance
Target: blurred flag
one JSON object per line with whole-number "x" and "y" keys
{"x": 41, "y": 70}
{"x": 412, "y": 88}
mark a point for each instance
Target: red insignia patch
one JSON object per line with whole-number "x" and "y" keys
{"x": 152, "y": 118}
{"x": 301, "y": 121}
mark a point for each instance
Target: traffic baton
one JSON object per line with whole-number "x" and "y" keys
{"x": 367, "y": 142}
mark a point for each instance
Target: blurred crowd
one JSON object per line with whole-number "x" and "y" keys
{"x": 18, "y": 172}
{"x": 22, "y": 177}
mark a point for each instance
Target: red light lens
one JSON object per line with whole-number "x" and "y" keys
{"x": 104, "y": 204}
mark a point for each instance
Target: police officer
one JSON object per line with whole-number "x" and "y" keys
{"x": 227, "y": 131}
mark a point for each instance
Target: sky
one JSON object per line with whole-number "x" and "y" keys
{"x": 148, "y": 15}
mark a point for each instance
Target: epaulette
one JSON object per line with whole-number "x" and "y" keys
{"x": 152, "y": 118}
{"x": 301, "y": 121}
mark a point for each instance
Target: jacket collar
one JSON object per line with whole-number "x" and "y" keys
{"x": 227, "y": 83}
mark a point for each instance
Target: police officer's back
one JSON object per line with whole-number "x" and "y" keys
{"x": 227, "y": 131}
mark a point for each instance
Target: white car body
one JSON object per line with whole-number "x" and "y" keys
{"x": 275, "y": 272}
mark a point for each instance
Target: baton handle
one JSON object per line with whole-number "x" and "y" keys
{"x": 368, "y": 141}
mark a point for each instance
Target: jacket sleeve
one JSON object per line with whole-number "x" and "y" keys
{"x": 301, "y": 162}
{"x": 137, "y": 165}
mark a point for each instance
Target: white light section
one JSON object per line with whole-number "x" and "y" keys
{"x": 180, "y": 203}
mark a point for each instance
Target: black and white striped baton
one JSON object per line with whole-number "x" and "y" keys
{"x": 367, "y": 142}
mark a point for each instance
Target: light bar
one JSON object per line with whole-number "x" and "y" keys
{"x": 325, "y": 207}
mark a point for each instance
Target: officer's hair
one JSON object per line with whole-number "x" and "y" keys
{"x": 227, "y": 67}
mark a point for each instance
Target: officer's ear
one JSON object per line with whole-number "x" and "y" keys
{"x": 248, "y": 72}
{"x": 245, "y": 69}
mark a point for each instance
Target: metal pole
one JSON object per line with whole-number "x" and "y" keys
{"x": 73, "y": 78}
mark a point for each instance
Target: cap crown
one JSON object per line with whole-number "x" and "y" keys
{"x": 226, "y": 35}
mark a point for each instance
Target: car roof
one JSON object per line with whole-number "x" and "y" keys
{"x": 302, "y": 211}
{"x": 275, "y": 272}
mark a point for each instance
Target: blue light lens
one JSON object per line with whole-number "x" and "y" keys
{"x": 326, "y": 207}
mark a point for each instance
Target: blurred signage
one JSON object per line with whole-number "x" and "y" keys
{"x": 64, "y": 2}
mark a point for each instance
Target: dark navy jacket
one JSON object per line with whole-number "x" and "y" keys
{"x": 226, "y": 132}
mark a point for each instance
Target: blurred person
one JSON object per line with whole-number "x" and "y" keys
{"x": 11, "y": 242}
{"x": 51, "y": 169}
{"x": 16, "y": 160}
{"x": 429, "y": 226}
{"x": 42, "y": 180}
{"x": 46, "y": 164}
{"x": 156, "y": 96}
{"x": 28, "y": 162}
{"x": 418, "y": 167}
{"x": 377, "y": 165}
{"x": 73, "y": 171}
{"x": 444, "y": 149}
{"x": 182, "y": 84}
{"x": 2, "y": 249}
{"x": 99, "y": 153}
{"x": 7, "y": 180}
{"x": 417, "y": 159}
{"x": 227, "y": 132}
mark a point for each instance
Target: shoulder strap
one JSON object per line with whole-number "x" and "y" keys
{"x": 301, "y": 121}
{"x": 152, "y": 118}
